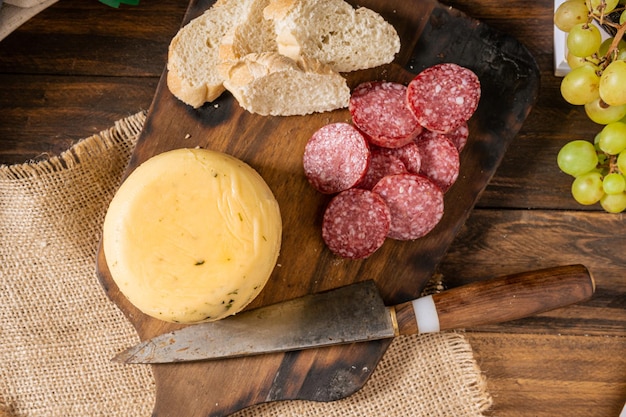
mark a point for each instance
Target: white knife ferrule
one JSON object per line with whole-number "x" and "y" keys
{"x": 426, "y": 315}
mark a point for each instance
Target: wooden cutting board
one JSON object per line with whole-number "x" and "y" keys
{"x": 431, "y": 33}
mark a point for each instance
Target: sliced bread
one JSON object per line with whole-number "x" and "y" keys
{"x": 271, "y": 84}
{"x": 235, "y": 44}
{"x": 254, "y": 34}
{"x": 333, "y": 32}
{"x": 193, "y": 53}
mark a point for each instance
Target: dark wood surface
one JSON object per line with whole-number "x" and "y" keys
{"x": 78, "y": 66}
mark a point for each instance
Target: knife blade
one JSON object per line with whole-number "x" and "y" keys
{"x": 357, "y": 313}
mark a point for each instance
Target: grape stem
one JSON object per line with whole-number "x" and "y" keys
{"x": 613, "y": 168}
{"x": 621, "y": 29}
{"x": 616, "y": 40}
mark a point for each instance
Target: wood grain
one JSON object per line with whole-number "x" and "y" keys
{"x": 500, "y": 300}
{"x": 512, "y": 297}
{"x": 35, "y": 115}
{"x": 512, "y": 240}
{"x": 568, "y": 362}
{"x": 525, "y": 374}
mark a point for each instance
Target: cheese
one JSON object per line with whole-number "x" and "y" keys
{"x": 192, "y": 235}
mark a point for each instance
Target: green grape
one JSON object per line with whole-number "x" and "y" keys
{"x": 612, "y": 86}
{"x": 580, "y": 85}
{"x": 606, "y": 44}
{"x": 577, "y": 157}
{"x": 596, "y": 6}
{"x": 570, "y": 13}
{"x": 622, "y": 18}
{"x": 614, "y": 183}
{"x": 621, "y": 162}
{"x": 576, "y": 61}
{"x": 587, "y": 189}
{"x": 613, "y": 203}
{"x": 602, "y": 114}
{"x": 584, "y": 39}
{"x": 612, "y": 138}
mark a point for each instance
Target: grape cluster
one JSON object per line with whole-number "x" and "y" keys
{"x": 597, "y": 81}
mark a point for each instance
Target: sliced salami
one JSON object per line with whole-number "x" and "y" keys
{"x": 443, "y": 96}
{"x": 382, "y": 163}
{"x": 459, "y": 136}
{"x": 409, "y": 154}
{"x": 356, "y": 223}
{"x": 379, "y": 109}
{"x": 336, "y": 158}
{"x": 415, "y": 202}
{"x": 440, "y": 159}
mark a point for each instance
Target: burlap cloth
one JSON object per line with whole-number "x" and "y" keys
{"x": 58, "y": 330}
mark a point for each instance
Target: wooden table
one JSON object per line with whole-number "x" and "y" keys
{"x": 75, "y": 68}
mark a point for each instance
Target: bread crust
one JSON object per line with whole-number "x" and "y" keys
{"x": 195, "y": 96}
{"x": 193, "y": 53}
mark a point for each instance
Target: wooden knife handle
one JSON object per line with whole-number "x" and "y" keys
{"x": 497, "y": 300}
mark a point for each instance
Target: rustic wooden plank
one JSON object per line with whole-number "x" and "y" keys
{"x": 506, "y": 241}
{"x": 530, "y": 178}
{"x": 48, "y": 100}
{"x": 130, "y": 41}
{"x": 552, "y": 375}
{"x": 42, "y": 116}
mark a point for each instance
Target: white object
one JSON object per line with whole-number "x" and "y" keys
{"x": 561, "y": 68}
{"x": 426, "y": 315}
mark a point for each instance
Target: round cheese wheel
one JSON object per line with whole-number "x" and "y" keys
{"x": 192, "y": 235}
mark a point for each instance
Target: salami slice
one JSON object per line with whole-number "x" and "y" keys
{"x": 440, "y": 159}
{"x": 356, "y": 223}
{"x": 443, "y": 96}
{"x": 415, "y": 202}
{"x": 382, "y": 163}
{"x": 379, "y": 109}
{"x": 409, "y": 154}
{"x": 459, "y": 136}
{"x": 336, "y": 158}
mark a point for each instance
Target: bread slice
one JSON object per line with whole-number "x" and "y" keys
{"x": 193, "y": 53}
{"x": 333, "y": 32}
{"x": 236, "y": 45}
{"x": 271, "y": 84}
{"x": 254, "y": 34}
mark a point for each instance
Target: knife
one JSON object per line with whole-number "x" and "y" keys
{"x": 356, "y": 313}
